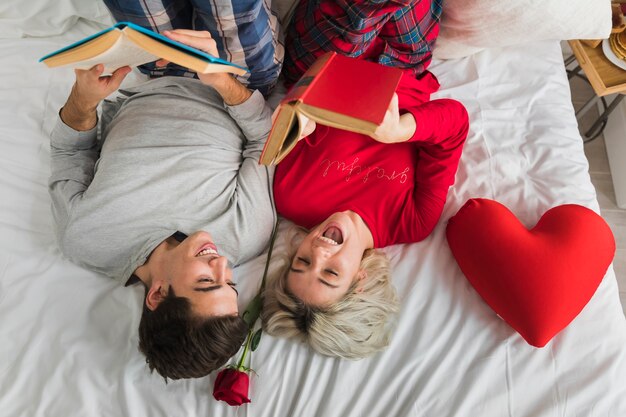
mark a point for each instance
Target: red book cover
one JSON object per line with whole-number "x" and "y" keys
{"x": 338, "y": 91}
{"x": 349, "y": 86}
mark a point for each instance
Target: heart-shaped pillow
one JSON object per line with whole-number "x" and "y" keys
{"x": 537, "y": 280}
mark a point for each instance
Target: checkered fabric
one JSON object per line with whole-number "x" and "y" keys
{"x": 398, "y": 33}
{"x": 247, "y": 32}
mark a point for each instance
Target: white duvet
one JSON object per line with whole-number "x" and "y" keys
{"x": 68, "y": 338}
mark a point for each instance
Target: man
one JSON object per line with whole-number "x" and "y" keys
{"x": 177, "y": 156}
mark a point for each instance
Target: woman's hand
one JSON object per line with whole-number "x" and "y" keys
{"x": 309, "y": 125}
{"x": 231, "y": 90}
{"x": 309, "y": 128}
{"x": 395, "y": 128}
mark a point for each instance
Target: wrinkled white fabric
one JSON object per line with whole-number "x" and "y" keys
{"x": 68, "y": 337}
{"x": 40, "y": 18}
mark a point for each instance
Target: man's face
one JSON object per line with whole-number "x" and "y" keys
{"x": 195, "y": 270}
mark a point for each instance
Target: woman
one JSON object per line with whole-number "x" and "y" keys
{"x": 356, "y": 193}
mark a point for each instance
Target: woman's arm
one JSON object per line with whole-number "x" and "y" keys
{"x": 441, "y": 129}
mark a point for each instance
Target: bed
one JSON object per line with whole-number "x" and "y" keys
{"x": 68, "y": 337}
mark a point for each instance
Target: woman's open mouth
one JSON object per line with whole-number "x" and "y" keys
{"x": 332, "y": 234}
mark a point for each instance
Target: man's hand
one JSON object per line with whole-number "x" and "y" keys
{"x": 201, "y": 40}
{"x": 231, "y": 90}
{"x": 88, "y": 91}
{"x": 91, "y": 87}
{"x": 395, "y": 128}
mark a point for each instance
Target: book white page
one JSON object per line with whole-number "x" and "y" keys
{"x": 123, "y": 52}
{"x": 306, "y": 126}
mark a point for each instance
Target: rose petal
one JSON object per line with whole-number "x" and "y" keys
{"x": 231, "y": 386}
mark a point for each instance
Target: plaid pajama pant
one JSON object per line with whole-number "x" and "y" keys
{"x": 397, "y": 33}
{"x": 247, "y": 32}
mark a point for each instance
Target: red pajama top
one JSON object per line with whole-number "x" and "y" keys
{"x": 398, "y": 189}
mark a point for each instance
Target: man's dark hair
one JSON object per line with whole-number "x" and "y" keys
{"x": 179, "y": 344}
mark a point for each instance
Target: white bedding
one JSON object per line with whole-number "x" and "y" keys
{"x": 68, "y": 338}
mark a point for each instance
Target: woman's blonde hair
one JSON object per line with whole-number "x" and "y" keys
{"x": 357, "y": 326}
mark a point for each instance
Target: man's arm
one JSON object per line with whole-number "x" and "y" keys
{"x": 232, "y": 91}
{"x": 254, "y": 181}
{"x": 77, "y": 115}
{"x": 249, "y": 110}
{"x": 73, "y": 144}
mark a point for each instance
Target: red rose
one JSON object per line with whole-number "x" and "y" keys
{"x": 231, "y": 386}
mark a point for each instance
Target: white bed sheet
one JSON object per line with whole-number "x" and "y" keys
{"x": 68, "y": 337}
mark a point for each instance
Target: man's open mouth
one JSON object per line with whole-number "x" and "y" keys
{"x": 208, "y": 249}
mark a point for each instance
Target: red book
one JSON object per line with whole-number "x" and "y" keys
{"x": 338, "y": 91}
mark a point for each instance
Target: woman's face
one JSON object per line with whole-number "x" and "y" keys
{"x": 327, "y": 261}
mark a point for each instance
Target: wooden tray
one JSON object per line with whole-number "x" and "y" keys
{"x": 605, "y": 78}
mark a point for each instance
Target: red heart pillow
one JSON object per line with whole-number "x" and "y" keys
{"x": 537, "y": 280}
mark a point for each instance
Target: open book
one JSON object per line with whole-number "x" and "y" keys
{"x": 128, "y": 44}
{"x": 337, "y": 91}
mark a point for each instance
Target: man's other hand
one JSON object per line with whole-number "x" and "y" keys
{"x": 231, "y": 90}
{"x": 201, "y": 40}
{"x": 88, "y": 91}
{"x": 91, "y": 87}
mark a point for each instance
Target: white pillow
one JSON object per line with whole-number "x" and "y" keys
{"x": 468, "y": 26}
{"x": 24, "y": 18}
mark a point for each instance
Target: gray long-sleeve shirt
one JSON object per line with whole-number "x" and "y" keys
{"x": 173, "y": 157}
